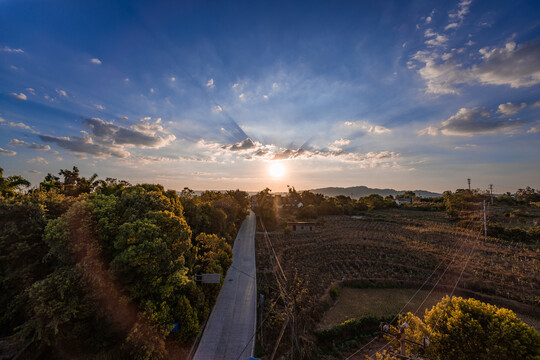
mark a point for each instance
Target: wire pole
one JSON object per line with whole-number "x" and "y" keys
{"x": 485, "y": 220}
{"x": 491, "y": 192}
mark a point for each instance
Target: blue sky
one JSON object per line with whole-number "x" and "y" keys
{"x": 205, "y": 94}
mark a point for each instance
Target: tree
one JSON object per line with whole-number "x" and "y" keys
{"x": 9, "y": 185}
{"x": 470, "y": 329}
{"x": 74, "y": 185}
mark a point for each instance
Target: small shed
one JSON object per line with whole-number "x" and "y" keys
{"x": 302, "y": 226}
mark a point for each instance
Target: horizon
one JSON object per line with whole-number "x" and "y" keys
{"x": 238, "y": 95}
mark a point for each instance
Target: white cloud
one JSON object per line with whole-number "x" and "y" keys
{"x": 456, "y": 17}
{"x": 514, "y": 65}
{"x": 517, "y": 66}
{"x": 451, "y": 26}
{"x": 14, "y": 124}
{"x": 438, "y": 40}
{"x": 469, "y": 122}
{"x": 31, "y": 91}
{"x": 536, "y": 104}
{"x": 366, "y": 126}
{"x": 217, "y": 109}
{"x": 173, "y": 78}
{"x": 19, "y": 96}
{"x": 465, "y": 147}
{"x": 107, "y": 139}
{"x": 533, "y": 130}
{"x": 40, "y": 147}
{"x": 95, "y": 61}
{"x": 250, "y": 150}
{"x": 11, "y": 50}
{"x": 17, "y": 142}
{"x": 242, "y": 97}
{"x": 99, "y": 107}
{"x": 61, "y": 92}
{"x": 342, "y": 142}
{"x": 210, "y": 83}
{"x": 510, "y": 109}
{"x": 38, "y": 160}
{"x": 5, "y": 152}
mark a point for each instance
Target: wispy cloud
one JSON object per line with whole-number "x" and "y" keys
{"x": 17, "y": 142}
{"x": 457, "y": 16}
{"x": 11, "y": 50}
{"x": 95, "y": 61}
{"x": 61, "y": 92}
{"x": 19, "y": 96}
{"x": 366, "y": 126}
{"x": 468, "y": 122}
{"x": 251, "y": 150}
{"x": 435, "y": 39}
{"x": 85, "y": 145}
{"x": 107, "y": 139}
{"x": 38, "y": 160}
{"x": 465, "y": 147}
{"x": 513, "y": 65}
{"x": 15, "y": 124}
{"x": 510, "y": 108}
{"x": 39, "y": 147}
{"x": 210, "y": 83}
{"x": 5, "y": 152}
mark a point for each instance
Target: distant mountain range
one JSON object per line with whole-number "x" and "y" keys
{"x": 361, "y": 191}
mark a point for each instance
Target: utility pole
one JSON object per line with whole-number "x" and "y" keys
{"x": 469, "y": 181}
{"x": 491, "y": 192}
{"x": 400, "y": 336}
{"x": 485, "y": 222}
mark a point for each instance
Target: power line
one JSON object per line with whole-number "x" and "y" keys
{"x": 451, "y": 294}
{"x": 455, "y": 231}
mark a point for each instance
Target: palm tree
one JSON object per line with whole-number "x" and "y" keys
{"x": 9, "y": 185}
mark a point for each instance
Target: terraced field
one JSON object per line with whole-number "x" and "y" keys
{"x": 408, "y": 250}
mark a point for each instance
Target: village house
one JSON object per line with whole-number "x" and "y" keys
{"x": 302, "y": 226}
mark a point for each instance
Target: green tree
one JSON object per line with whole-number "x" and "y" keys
{"x": 470, "y": 329}
{"x": 9, "y": 185}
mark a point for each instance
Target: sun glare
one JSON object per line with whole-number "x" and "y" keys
{"x": 276, "y": 170}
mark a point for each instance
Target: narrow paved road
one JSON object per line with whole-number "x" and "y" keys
{"x": 229, "y": 332}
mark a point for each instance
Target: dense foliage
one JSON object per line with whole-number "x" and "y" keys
{"x": 469, "y": 329}
{"x": 104, "y": 268}
{"x": 276, "y": 210}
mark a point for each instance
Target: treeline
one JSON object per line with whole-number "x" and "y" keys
{"x": 306, "y": 205}
{"x": 105, "y": 269}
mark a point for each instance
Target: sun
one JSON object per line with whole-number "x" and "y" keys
{"x": 276, "y": 170}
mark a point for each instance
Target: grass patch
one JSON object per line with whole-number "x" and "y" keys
{"x": 378, "y": 302}
{"x": 347, "y": 336}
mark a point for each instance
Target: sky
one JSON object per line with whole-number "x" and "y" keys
{"x": 211, "y": 95}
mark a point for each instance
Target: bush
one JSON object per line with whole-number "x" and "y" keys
{"x": 468, "y": 329}
{"x": 334, "y": 292}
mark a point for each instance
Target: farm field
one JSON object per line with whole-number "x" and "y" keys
{"x": 355, "y": 303}
{"x": 406, "y": 247}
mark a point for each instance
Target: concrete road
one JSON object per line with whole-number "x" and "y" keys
{"x": 229, "y": 332}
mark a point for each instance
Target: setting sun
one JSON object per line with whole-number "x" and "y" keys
{"x": 276, "y": 170}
